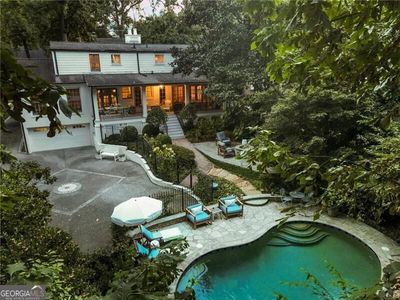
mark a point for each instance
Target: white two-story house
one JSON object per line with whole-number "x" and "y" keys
{"x": 112, "y": 85}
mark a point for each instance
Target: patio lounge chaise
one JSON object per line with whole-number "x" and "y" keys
{"x": 142, "y": 250}
{"x": 221, "y": 137}
{"x": 230, "y": 206}
{"x": 165, "y": 235}
{"x": 198, "y": 214}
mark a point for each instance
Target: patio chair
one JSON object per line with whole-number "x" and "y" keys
{"x": 231, "y": 206}
{"x": 164, "y": 236}
{"x": 224, "y": 150}
{"x": 285, "y": 198}
{"x": 149, "y": 253}
{"x": 198, "y": 214}
{"x": 221, "y": 137}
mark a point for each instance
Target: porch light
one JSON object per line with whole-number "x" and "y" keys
{"x": 161, "y": 86}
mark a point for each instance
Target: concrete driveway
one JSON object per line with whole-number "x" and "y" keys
{"x": 85, "y": 213}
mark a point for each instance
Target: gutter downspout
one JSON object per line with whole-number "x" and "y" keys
{"x": 137, "y": 59}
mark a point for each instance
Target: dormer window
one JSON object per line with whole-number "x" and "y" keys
{"x": 159, "y": 59}
{"x": 116, "y": 59}
{"x": 94, "y": 60}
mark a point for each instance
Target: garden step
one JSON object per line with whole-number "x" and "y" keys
{"x": 174, "y": 128}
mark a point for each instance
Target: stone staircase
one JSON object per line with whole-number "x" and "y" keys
{"x": 174, "y": 128}
{"x": 297, "y": 234}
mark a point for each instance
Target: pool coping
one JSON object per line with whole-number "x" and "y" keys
{"x": 369, "y": 236}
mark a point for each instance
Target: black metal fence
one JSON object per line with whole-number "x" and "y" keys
{"x": 173, "y": 170}
{"x": 175, "y": 200}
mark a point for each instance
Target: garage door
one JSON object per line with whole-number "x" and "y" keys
{"x": 79, "y": 136}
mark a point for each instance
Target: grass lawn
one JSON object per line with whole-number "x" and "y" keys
{"x": 252, "y": 176}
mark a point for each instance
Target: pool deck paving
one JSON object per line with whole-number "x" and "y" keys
{"x": 257, "y": 221}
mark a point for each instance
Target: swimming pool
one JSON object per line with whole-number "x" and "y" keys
{"x": 282, "y": 256}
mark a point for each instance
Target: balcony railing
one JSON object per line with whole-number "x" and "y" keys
{"x": 119, "y": 112}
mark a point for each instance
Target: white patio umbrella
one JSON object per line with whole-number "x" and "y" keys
{"x": 136, "y": 211}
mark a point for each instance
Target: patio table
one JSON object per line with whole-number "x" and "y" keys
{"x": 216, "y": 212}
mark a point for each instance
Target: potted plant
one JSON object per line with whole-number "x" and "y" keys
{"x": 331, "y": 203}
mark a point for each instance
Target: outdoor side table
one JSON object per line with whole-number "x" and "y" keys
{"x": 216, "y": 212}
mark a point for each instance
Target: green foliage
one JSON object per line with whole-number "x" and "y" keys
{"x": 203, "y": 188}
{"x": 149, "y": 279}
{"x": 50, "y": 273}
{"x": 221, "y": 49}
{"x": 164, "y": 139}
{"x": 20, "y": 89}
{"x": 188, "y": 116}
{"x": 129, "y": 134}
{"x": 276, "y": 162}
{"x": 205, "y": 129}
{"x": 368, "y": 189}
{"x": 249, "y": 112}
{"x": 150, "y": 130}
{"x": 166, "y": 28}
{"x": 319, "y": 123}
{"x": 114, "y": 139}
{"x": 156, "y": 117}
{"x": 183, "y": 155}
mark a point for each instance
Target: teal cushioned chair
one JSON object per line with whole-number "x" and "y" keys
{"x": 142, "y": 250}
{"x": 230, "y": 206}
{"x": 198, "y": 214}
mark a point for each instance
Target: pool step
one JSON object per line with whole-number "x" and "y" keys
{"x": 297, "y": 234}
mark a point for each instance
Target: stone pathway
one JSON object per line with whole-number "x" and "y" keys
{"x": 258, "y": 220}
{"x": 208, "y": 168}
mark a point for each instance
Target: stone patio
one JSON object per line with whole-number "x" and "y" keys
{"x": 258, "y": 220}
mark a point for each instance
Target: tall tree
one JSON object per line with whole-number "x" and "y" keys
{"x": 221, "y": 51}
{"x": 354, "y": 44}
{"x": 119, "y": 14}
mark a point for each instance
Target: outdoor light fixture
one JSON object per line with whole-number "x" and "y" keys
{"x": 214, "y": 187}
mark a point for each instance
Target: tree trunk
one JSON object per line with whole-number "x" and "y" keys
{"x": 63, "y": 35}
{"x": 26, "y": 48}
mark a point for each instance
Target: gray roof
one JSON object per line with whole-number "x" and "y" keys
{"x": 111, "y": 47}
{"x": 39, "y": 63}
{"x": 103, "y": 80}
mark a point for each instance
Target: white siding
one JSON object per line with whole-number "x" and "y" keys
{"x": 147, "y": 64}
{"x": 74, "y": 62}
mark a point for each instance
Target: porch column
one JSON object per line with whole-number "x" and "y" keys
{"x": 187, "y": 94}
{"x": 97, "y": 138}
{"x": 144, "y": 100}
{"x": 95, "y": 105}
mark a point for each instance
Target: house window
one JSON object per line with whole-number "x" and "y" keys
{"x": 94, "y": 60}
{"x": 38, "y": 107}
{"x": 126, "y": 92}
{"x": 74, "y": 99}
{"x": 107, "y": 98}
{"x": 193, "y": 93}
{"x": 159, "y": 59}
{"x": 149, "y": 92}
{"x": 115, "y": 59}
{"x": 196, "y": 93}
{"x": 178, "y": 93}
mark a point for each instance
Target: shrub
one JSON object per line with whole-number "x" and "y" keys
{"x": 157, "y": 116}
{"x": 184, "y": 155}
{"x": 164, "y": 139}
{"x": 129, "y": 134}
{"x": 177, "y": 107}
{"x": 188, "y": 116}
{"x": 150, "y": 130}
{"x": 113, "y": 139}
{"x": 203, "y": 188}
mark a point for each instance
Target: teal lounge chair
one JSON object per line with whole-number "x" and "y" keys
{"x": 164, "y": 236}
{"x": 230, "y": 206}
{"x": 149, "y": 235}
{"x": 142, "y": 250}
{"x": 198, "y": 214}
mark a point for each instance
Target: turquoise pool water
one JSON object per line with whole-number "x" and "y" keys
{"x": 257, "y": 270}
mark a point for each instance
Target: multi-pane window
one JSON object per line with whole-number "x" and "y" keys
{"x": 38, "y": 107}
{"x": 116, "y": 59}
{"x": 149, "y": 92}
{"x": 196, "y": 93}
{"x": 94, "y": 60}
{"x": 126, "y": 92}
{"x": 74, "y": 99}
{"x": 159, "y": 58}
{"x": 178, "y": 93}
